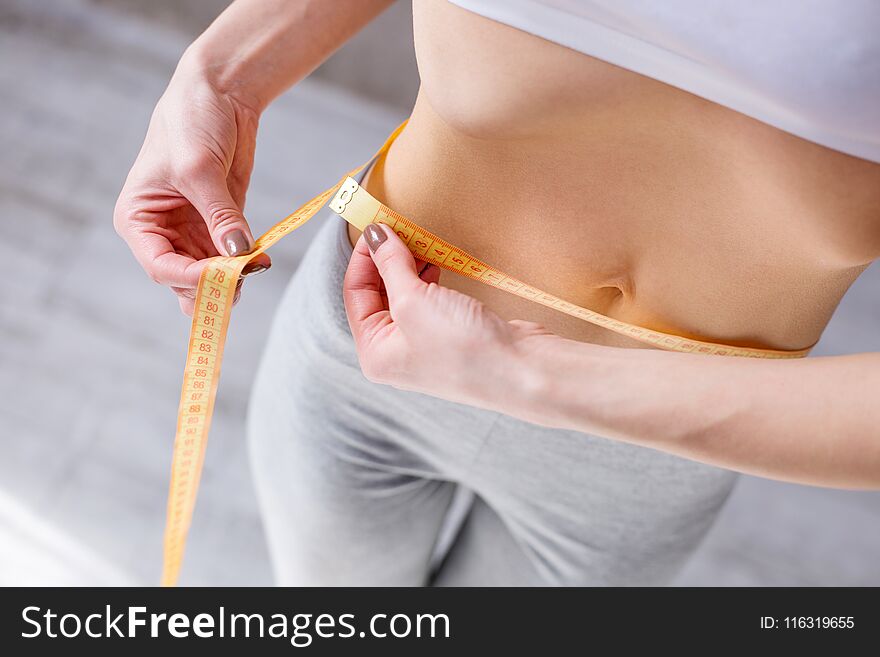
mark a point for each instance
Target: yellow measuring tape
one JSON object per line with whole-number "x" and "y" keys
{"x": 213, "y": 306}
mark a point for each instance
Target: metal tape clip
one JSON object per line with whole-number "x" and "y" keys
{"x": 344, "y": 195}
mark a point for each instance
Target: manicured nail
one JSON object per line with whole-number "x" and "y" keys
{"x": 374, "y": 236}
{"x": 252, "y": 268}
{"x": 237, "y": 243}
{"x": 237, "y": 295}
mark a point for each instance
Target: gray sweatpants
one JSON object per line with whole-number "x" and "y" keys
{"x": 356, "y": 480}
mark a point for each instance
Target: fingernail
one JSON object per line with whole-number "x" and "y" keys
{"x": 237, "y": 243}
{"x": 374, "y": 236}
{"x": 237, "y": 295}
{"x": 252, "y": 268}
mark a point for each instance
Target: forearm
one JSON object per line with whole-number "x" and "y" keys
{"x": 813, "y": 421}
{"x": 256, "y": 49}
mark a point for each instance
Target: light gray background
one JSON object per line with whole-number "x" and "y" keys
{"x": 91, "y": 352}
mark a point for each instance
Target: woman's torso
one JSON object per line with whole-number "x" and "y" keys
{"x": 623, "y": 194}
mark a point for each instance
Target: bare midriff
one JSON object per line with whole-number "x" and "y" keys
{"x": 623, "y": 194}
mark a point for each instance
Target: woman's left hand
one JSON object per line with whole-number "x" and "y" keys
{"x": 764, "y": 417}
{"x": 413, "y": 334}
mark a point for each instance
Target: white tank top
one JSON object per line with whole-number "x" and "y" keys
{"x": 809, "y": 67}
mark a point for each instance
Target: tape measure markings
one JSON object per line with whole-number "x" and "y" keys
{"x": 448, "y": 256}
{"x": 213, "y": 309}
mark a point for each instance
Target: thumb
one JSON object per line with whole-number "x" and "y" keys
{"x": 229, "y": 230}
{"x": 395, "y": 263}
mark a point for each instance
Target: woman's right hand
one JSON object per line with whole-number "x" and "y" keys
{"x": 183, "y": 198}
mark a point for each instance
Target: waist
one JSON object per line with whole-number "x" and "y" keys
{"x": 655, "y": 226}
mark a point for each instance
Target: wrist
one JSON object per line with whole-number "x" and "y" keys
{"x": 584, "y": 387}
{"x": 545, "y": 369}
{"x": 227, "y": 74}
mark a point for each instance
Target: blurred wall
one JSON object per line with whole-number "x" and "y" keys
{"x": 378, "y": 63}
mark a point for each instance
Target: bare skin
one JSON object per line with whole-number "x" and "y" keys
{"x": 654, "y": 206}
{"x": 811, "y": 421}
